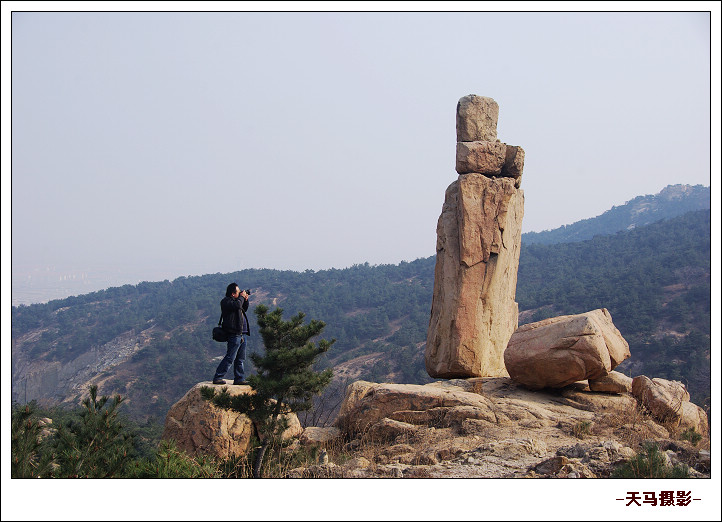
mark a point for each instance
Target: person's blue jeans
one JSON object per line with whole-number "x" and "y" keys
{"x": 236, "y": 354}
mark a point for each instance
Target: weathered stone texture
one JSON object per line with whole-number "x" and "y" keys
{"x": 476, "y": 118}
{"x": 514, "y": 164}
{"x": 313, "y": 435}
{"x": 561, "y": 350}
{"x": 493, "y": 159}
{"x": 473, "y": 311}
{"x": 614, "y": 382}
{"x": 483, "y": 157}
{"x": 199, "y": 427}
{"x": 366, "y": 404}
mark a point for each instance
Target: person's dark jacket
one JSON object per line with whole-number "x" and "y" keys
{"x": 234, "y": 311}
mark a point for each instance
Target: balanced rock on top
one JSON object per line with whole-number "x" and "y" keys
{"x": 476, "y": 118}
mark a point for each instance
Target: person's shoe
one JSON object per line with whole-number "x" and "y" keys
{"x": 219, "y": 381}
{"x": 241, "y": 383}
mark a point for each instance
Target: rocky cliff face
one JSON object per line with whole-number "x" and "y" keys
{"x": 473, "y": 311}
{"x": 52, "y": 382}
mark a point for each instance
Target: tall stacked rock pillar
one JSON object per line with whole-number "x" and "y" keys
{"x": 473, "y": 311}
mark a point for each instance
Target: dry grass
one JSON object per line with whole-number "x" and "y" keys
{"x": 582, "y": 428}
{"x": 629, "y": 425}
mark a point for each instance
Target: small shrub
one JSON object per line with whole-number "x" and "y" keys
{"x": 650, "y": 463}
{"x": 581, "y": 429}
{"x": 691, "y": 435}
{"x": 170, "y": 462}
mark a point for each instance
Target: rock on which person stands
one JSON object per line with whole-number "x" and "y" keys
{"x": 562, "y": 350}
{"x": 201, "y": 428}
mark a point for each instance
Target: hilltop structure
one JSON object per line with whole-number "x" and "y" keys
{"x": 474, "y": 312}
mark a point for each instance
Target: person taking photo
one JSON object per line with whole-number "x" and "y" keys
{"x": 235, "y": 324}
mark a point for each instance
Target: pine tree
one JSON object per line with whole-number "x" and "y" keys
{"x": 98, "y": 446}
{"x": 31, "y": 457}
{"x": 285, "y": 381}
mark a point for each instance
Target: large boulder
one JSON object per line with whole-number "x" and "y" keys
{"x": 473, "y": 310}
{"x": 668, "y": 401}
{"x": 200, "y": 427}
{"x": 561, "y": 350}
{"x": 387, "y": 410}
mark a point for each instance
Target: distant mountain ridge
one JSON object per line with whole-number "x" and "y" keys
{"x": 671, "y": 201}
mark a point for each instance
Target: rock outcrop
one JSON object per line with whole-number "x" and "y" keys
{"x": 370, "y": 407}
{"x": 668, "y": 401}
{"x": 473, "y": 311}
{"x": 199, "y": 427}
{"x": 494, "y": 427}
{"x": 561, "y": 350}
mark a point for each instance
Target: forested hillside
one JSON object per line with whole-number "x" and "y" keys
{"x": 672, "y": 201}
{"x": 654, "y": 280}
{"x": 151, "y": 342}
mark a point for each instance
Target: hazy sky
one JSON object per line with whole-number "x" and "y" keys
{"x": 207, "y": 142}
{"x": 197, "y": 143}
